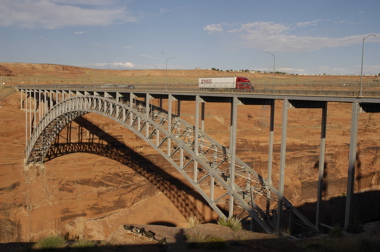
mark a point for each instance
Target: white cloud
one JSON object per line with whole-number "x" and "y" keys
{"x": 124, "y": 64}
{"x": 334, "y": 70}
{"x": 281, "y": 38}
{"x": 52, "y": 14}
{"x": 308, "y": 23}
{"x": 283, "y": 69}
{"x": 129, "y": 47}
{"x": 83, "y": 2}
{"x": 213, "y": 28}
{"x": 291, "y": 70}
{"x": 183, "y": 7}
{"x": 262, "y": 27}
{"x": 114, "y": 65}
{"x": 162, "y": 11}
{"x": 368, "y": 69}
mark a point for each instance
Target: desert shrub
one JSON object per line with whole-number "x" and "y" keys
{"x": 233, "y": 223}
{"x": 223, "y": 222}
{"x": 56, "y": 241}
{"x": 82, "y": 244}
{"x": 286, "y": 232}
{"x": 193, "y": 221}
{"x": 197, "y": 237}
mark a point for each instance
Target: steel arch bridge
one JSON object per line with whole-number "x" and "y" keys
{"x": 223, "y": 180}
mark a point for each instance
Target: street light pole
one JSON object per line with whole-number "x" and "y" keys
{"x": 274, "y": 61}
{"x": 166, "y": 71}
{"x": 361, "y": 71}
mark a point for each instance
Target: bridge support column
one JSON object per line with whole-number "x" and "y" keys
{"x": 131, "y": 105}
{"x": 198, "y": 101}
{"x": 233, "y": 127}
{"x": 286, "y": 106}
{"x": 30, "y": 114}
{"x": 34, "y": 110}
{"x": 270, "y": 151}
{"x": 321, "y": 171}
{"x": 351, "y": 164}
{"x": 170, "y": 110}
{"x": 148, "y": 97}
{"x": 26, "y": 116}
{"x": 179, "y": 108}
{"x": 39, "y": 105}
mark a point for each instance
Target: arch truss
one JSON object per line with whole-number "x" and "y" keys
{"x": 229, "y": 185}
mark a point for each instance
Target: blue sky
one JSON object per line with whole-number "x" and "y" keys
{"x": 305, "y": 36}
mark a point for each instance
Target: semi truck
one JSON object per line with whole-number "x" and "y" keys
{"x": 225, "y": 83}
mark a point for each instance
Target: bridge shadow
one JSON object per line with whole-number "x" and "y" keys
{"x": 365, "y": 209}
{"x": 175, "y": 190}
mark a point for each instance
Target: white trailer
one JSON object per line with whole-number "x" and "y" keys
{"x": 224, "y": 83}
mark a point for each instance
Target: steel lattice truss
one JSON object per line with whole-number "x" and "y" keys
{"x": 205, "y": 163}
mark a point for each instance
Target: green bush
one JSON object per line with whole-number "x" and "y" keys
{"x": 197, "y": 237}
{"x": 82, "y": 244}
{"x": 233, "y": 223}
{"x": 56, "y": 241}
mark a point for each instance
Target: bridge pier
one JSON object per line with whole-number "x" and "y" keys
{"x": 270, "y": 151}
{"x": 352, "y": 164}
{"x": 233, "y": 127}
{"x": 281, "y": 185}
{"x": 198, "y": 100}
{"x": 321, "y": 168}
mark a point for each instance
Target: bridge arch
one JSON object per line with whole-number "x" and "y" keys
{"x": 200, "y": 159}
{"x": 182, "y": 196}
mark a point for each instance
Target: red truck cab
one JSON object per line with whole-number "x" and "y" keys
{"x": 243, "y": 83}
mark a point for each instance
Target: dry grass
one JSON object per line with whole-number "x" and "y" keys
{"x": 51, "y": 242}
{"x": 193, "y": 221}
{"x": 233, "y": 223}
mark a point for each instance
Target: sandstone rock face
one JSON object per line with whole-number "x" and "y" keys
{"x": 91, "y": 196}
